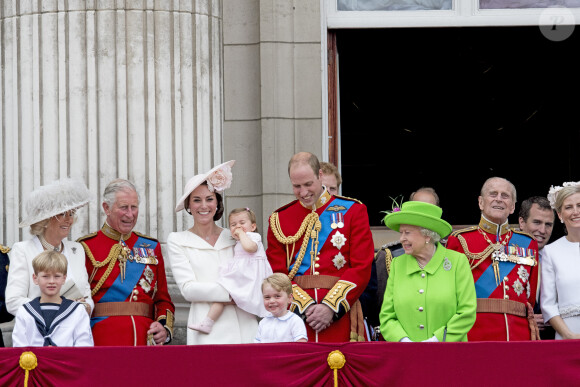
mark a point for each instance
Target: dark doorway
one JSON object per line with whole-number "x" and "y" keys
{"x": 450, "y": 107}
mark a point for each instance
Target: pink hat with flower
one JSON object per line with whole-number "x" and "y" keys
{"x": 218, "y": 179}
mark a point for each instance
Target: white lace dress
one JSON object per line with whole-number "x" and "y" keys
{"x": 242, "y": 277}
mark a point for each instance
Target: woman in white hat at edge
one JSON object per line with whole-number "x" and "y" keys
{"x": 50, "y": 213}
{"x": 196, "y": 254}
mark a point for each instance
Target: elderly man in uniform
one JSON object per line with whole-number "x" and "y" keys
{"x": 504, "y": 267}
{"x": 324, "y": 244}
{"x": 127, "y": 276}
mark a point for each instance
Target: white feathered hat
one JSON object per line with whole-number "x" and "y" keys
{"x": 55, "y": 198}
{"x": 218, "y": 179}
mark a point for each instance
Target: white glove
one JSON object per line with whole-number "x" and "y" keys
{"x": 431, "y": 340}
{"x": 405, "y": 340}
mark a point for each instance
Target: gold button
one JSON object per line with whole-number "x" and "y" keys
{"x": 506, "y": 287}
{"x": 505, "y": 279}
{"x": 331, "y": 296}
{"x": 134, "y": 298}
{"x": 339, "y": 286}
{"x": 316, "y": 273}
{"x": 317, "y": 259}
{"x": 135, "y": 291}
{"x": 317, "y": 265}
{"x": 506, "y": 297}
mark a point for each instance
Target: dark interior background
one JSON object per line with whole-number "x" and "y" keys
{"x": 450, "y": 107}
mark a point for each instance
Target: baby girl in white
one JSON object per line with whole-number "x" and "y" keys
{"x": 243, "y": 276}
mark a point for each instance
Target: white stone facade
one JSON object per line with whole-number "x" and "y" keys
{"x": 156, "y": 91}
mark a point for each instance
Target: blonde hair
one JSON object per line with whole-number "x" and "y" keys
{"x": 39, "y": 227}
{"x": 50, "y": 261}
{"x": 251, "y": 214}
{"x": 279, "y": 282}
{"x": 564, "y": 194}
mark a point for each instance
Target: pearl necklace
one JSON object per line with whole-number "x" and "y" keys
{"x": 48, "y": 246}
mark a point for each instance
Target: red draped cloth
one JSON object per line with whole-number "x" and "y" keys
{"x": 301, "y": 364}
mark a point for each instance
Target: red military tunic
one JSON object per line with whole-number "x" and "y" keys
{"x": 126, "y": 307}
{"x": 511, "y": 276}
{"x": 338, "y": 270}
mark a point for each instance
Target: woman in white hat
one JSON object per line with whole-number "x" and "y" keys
{"x": 430, "y": 294}
{"x": 195, "y": 256}
{"x": 50, "y": 213}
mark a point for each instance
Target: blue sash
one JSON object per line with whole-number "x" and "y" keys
{"x": 325, "y": 220}
{"x": 485, "y": 284}
{"x": 119, "y": 291}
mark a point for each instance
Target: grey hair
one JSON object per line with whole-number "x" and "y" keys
{"x": 563, "y": 194}
{"x": 485, "y": 187}
{"x": 117, "y": 185}
{"x": 431, "y": 234}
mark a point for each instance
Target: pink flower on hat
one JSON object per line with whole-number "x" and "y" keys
{"x": 220, "y": 179}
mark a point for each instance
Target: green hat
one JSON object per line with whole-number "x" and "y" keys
{"x": 420, "y": 214}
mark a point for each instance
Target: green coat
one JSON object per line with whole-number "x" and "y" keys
{"x": 421, "y": 303}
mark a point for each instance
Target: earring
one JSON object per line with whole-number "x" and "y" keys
{"x": 188, "y": 211}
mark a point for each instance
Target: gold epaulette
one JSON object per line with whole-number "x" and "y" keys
{"x": 347, "y": 198}
{"x": 463, "y": 230}
{"x": 388, "y": 260}
{"x": 89, "y": 236}
{"x": 337, "y": 295}
{"x": 146, "y": 236}
{"x": 4, "y": 249}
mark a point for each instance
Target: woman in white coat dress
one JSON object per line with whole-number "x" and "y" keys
{"x": 50, "y": 214}
{"x": 196, "y": 254}
{"x": 560, "y": 285}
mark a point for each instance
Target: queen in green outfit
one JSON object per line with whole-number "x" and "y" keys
{"x": 430, "y": 294}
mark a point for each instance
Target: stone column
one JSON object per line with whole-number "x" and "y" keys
{"x": 99, "y": 89}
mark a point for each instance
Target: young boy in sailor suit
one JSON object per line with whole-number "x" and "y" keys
{"x": 51, "y": 320}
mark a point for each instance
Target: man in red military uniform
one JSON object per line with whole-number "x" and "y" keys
{"x": 325, "y": 245}
{"x": 127, "y": 276}
{"x": 504, "y": 266}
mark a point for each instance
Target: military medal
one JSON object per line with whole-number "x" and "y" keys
{"x": 333, "y": 225}
{"x": 340, "y": 223}
{"x": 338, "y": 240}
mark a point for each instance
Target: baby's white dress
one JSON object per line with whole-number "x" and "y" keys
{"x": 242, "y": 277}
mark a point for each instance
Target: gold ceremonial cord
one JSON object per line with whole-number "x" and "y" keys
{"x": 309, "y": 223}
{"x": 479, "y": 257}
{"x": 111, "y": 260}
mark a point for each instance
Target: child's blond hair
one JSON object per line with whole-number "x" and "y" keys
{"x": 50, "y": 261}
{"x": 251, "y": 214}
{"x": 279, "y": 282}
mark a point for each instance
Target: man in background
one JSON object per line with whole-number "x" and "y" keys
{"x": 536, "y": 217}
{"x": 330, "y": 177}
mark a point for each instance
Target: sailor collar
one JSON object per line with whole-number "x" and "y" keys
{"x": 322, "y": 200}
{"x": 114, "y": 234}
{"x": 492, "y": 228}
